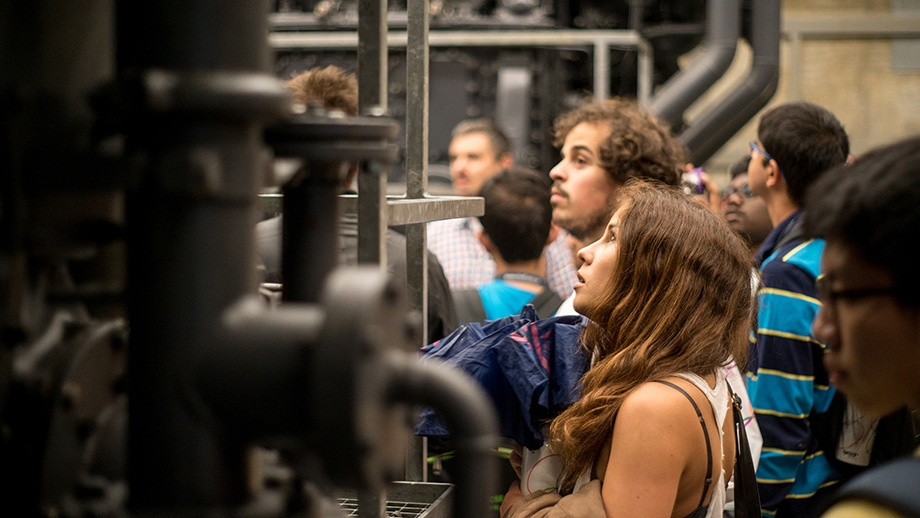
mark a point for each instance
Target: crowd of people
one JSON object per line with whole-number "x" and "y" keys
{"x": 793, "y": 288}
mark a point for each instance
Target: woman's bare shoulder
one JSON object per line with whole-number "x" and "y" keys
{"x": 656, "y": 411}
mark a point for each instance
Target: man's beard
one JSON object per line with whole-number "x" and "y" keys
{"x": 586, "y": 229}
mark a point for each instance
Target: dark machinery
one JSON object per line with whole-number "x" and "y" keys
{"x": 140, "y": 374}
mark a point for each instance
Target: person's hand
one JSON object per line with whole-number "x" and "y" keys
{"x": 517, "y": 459}
{"x": 714, "y": 197}
{"x": 513, "y": 494}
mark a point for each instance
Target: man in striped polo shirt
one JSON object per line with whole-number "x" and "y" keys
{"x": 797, "y": 142}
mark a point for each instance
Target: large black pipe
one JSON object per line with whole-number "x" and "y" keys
{"x": 723, "y": 21}
{"x": 203, "y": 67}
{"x": 715, "y": 128}
{"x": 309, "y": 234}
{"x": 469, "y": 416}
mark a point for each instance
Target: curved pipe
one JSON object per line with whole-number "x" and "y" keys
{"x": 714, "y": 129}
{"x": 469, "y": 415}
{"x": 723, "y": 22}
{"x": 259, "y": 356}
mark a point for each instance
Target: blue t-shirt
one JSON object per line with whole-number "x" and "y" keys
{"x": 500, "y": 299}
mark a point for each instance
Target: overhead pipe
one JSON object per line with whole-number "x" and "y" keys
{"x": 715, "y": 128}
{"x": 723, "y": 22}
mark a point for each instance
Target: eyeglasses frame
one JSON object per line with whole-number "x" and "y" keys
{"x": 829, "y": 297}
{"x": 755, "y": 147}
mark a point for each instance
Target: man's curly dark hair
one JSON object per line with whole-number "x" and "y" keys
{"x": 639, "y": 145}
{"x": 331, "y": 87}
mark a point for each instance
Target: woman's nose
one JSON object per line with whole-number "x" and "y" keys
{"x": 585, "y": 255}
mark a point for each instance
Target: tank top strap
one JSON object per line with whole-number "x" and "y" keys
{"x": 699, "y": 416}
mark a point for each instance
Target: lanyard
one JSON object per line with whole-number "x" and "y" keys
{"x": 523, "y": 277}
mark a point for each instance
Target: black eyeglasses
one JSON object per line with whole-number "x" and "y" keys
{"x": 744, "y": 191}
{"x": 768, "y": 156}
{"x": 829, "y": 297}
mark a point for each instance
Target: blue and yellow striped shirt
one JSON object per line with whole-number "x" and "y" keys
{"x": 787, "y": 380}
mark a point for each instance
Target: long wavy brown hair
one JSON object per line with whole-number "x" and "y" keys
{"x": 679, "y": 300}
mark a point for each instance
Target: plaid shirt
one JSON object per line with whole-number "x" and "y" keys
{"x": 467, "y": 264}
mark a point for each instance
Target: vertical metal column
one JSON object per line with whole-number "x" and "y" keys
{"x": 416, "y": 188}
{"x": 372, "y": 177}
{"x": 417, "y": 151}
{"x": 644, "y": 72}
{"x": 372, "y": 100}
{"x": 601, "y": 70}
{"x": 308, "y": 228}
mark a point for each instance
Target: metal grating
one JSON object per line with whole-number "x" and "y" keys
{"x": 394, "y": 509}
{"x": 405, "y": 500}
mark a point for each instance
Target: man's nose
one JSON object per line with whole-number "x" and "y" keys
{"x": 459, "y": 164}
{"x": 823, "y": 328}
{"x": 557, "y": 173}
{"x": 733, "y": 197}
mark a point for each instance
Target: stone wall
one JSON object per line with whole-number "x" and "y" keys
{"x": 856, "y": 79}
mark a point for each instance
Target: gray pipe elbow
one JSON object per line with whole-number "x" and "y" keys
{"x": 469, "y": 415}
{"x": 723, "y": 21}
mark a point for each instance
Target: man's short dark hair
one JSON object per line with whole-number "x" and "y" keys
{"x": 497, "y": 138}
{"x": 805, "y": 140}
{"x": 518, "y": 214}
{"x": 639, "y": 145}
{"x": 873, "y": 208}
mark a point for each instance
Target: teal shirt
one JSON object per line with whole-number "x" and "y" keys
{"x": 500, "y": 299}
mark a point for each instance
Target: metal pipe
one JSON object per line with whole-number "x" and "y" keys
{"x": 723, "y": 21}
{"x": 469, "y": 415}
{"x": 372, "y": 55}
{"x": 460, "y": 38}
{"x": 261, "y": 357}
{"x": 712, "y": 130}
{"x": 417, "y": 83}
{"x": 372, "y": 100}
{"x": 190, "y": 240}
{"x": 309, "y": 226}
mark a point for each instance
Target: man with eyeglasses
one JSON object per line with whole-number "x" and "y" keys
{"x": 744, "y": 212}
{"x": 870, "y": 320}
{"x": 787, "y": 382}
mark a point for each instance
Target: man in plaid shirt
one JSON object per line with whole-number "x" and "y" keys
{"x": 478, "y": 151}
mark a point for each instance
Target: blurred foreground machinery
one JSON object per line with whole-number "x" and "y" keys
{"x": 140, "y": 374}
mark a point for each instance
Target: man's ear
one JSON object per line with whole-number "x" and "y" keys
{"x": 486, "y": 242}
{"x": 506, "y": 160}
{"x": 774, "y": 177}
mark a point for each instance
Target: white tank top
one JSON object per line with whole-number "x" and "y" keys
{"x": 718, "y": 401}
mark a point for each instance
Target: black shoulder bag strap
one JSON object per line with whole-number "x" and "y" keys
{"x": 747, "y": 496}
{"x": 546, "y": 303}
{"x": 468, "y": 305}
{"x": 895, "y": 485}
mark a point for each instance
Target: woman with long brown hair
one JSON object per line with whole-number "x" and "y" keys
{"x": 667, "y": 290}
